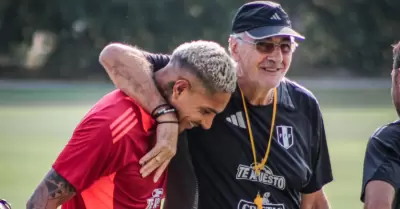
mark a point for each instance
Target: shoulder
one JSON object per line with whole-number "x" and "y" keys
{"x": 387, "y": 135}
{"x": 381, "y": 157}
{"x": 115, "y": 110}
{"x": 390, "y": 129}
{"x": 301, "y": 97}
{"x": 299, "y": 92}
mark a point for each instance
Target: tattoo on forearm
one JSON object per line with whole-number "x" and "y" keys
{"x": 51, "y": 192}
{"x": 58, "y": 187}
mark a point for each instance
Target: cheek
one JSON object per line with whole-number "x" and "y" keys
{"x": 187, "y": 108}
{"x": 287, "y": 60}
{"x": 183, "y": 108}
{"x": 195, "y": 116}
{"x": 249, "y": 56}
{"x": 395, "y": 91}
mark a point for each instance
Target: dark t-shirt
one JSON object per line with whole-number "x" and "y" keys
{"x": 382, "y": 159}
{"x": 298, "y": 163}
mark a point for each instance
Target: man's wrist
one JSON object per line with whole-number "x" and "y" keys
{"x": 167, "y": 117}
{"x": 162, "y": 109}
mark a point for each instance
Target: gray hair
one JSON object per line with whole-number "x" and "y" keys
{"x": 210, "y": 62}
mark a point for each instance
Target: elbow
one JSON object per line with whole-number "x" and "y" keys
{"x": 110, "y": 53}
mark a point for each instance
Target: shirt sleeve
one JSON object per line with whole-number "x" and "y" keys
{"x": 83, "y": 159}
{"x": 158, "y": 61}
{"x": 320, "y": 159}
{"x": 382, "y": 159}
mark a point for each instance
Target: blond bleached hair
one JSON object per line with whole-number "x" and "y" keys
{"x": 210, "y": 62}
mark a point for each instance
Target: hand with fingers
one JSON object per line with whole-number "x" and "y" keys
{"x": 161, "y": 154}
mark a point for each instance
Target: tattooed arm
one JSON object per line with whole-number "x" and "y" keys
{"x": 53, "y": 191}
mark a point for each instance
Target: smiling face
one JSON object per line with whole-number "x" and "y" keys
{"x": 262, "y": 62}
{"x": 198, "y": 82}
{"x": 195, "y": 105}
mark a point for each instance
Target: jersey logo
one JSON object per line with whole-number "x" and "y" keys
{"x": 266, "y": 204}
{"x": 157, "y": 200}
{"x": 284, "y": 135}
{"x": 267, "y": 177}
{"x": 275, "y": 17}
{"x": 237, "y": 120}
{"x": 123, "y": 124}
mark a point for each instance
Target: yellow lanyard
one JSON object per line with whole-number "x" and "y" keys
{"x": 257, "y": 166}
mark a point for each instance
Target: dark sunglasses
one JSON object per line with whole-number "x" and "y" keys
{"x": 267, "y": 47}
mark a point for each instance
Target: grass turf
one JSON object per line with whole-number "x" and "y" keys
{"x": 36, "y": 124}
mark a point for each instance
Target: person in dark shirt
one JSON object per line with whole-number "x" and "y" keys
{"x": 381, "y": 174}
{"x": 268, "y": 148}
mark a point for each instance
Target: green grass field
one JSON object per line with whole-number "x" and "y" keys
{"x": 36, "y": 124}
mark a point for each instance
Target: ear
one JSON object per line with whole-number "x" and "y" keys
{"x": 294, "y": 48}
{"x": 180, "y": 88}
{"x": 233, "y": 48}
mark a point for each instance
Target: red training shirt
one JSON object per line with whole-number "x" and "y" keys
{"x": 101, "y": 160}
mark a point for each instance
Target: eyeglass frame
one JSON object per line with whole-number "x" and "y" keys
{"x": 293, "y": 45}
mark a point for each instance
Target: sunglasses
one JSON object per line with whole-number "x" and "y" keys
{"x": 267, "y": 47}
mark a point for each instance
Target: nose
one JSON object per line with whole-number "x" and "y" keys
{"x": 207, "y": 122}
{"x": 276, "y": 55}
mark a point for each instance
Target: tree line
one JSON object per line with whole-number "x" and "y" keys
{"x": 61, "y": 39}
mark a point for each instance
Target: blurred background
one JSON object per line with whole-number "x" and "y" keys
{"x": 50, "y": 74}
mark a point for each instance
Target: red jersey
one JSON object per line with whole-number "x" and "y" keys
{"x": 101, "y": 160}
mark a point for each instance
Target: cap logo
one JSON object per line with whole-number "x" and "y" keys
{"x": 275, "y": 17}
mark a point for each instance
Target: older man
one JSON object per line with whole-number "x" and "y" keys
{"x": 381, "y": 176}
{"x": 268, "y": 148}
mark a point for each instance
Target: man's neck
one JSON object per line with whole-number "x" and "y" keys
{"x": 161, "y": 81}
{"x": 256, "y": 95}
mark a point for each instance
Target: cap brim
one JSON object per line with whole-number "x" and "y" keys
{"x": 270, "y": 31}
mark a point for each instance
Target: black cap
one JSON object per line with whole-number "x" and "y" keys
{"x": 263, "y": 19}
